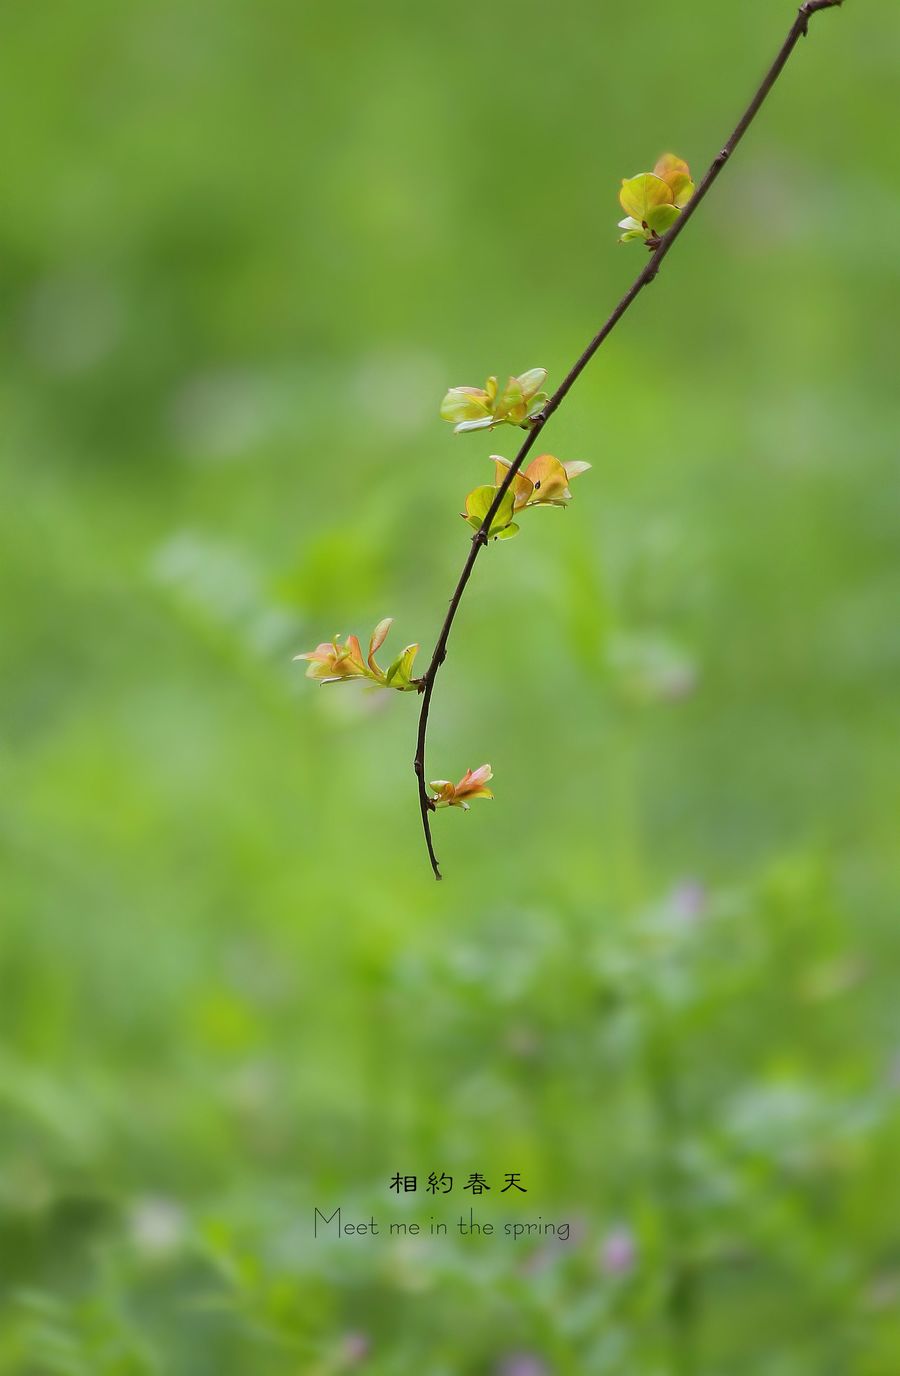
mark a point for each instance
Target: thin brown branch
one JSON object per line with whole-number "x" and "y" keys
{"x": 663, "y": 247}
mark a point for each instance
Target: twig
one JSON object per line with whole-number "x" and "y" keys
{"x": 661, "y": 248}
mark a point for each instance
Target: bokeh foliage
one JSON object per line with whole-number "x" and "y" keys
{"x": 245, "y": 248}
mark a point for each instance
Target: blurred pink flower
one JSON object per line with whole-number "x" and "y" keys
{"x": 618, "y": 1251}
{"x": 355, "y": 1347}
{"x": 522, "y": 1364}
{"x": 689, "y": 900}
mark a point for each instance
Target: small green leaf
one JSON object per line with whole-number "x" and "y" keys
{"x": 535, "y": 407}
{"x": 508, "y": 532}
{"x": 478, "y": 504}
{"x": 399, "y": 675}
{"x": 662, "y": 217}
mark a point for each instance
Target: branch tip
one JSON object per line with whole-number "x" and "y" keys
{"x": 659, "y": 248}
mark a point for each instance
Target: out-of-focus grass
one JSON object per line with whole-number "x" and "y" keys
{"x": 244, "y": 250}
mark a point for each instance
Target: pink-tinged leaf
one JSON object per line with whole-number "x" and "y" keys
{"x": 549, "y": 480}
{"x": 356, "y": 654}
{"x": 320, "y": 669}
{"x": 676, "y": 173}
{"x": 322, "y": 651}
{"x": 332, "y": 662}
{"x": 379, "y": 635}
{"x": 473, "y": 784}
{"x": 669, "y": 165}
{"x": 521, "y": 487}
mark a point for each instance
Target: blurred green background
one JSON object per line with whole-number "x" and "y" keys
{"x": 244, "y": 249}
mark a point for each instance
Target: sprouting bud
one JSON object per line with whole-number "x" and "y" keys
{"x": 481, "y": 408}
{"x": 471, "y": 785}
{"x": 653, "y": 200}
{"x": 332, "y": 661}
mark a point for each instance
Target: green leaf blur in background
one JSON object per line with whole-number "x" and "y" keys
{"x": 245, "y": 248}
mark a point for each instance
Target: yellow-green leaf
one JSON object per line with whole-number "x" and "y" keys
{"x": 478, "y": 504}
{"x": 399, "y": 675}
{"x": 509, "y": 531}
{"x": 639, "y": 195}
{"x": 662, "y": 217}
{"x": 512, "y": 405}
{"x": 532, "y": 381}
{"x": 466, "y": 404}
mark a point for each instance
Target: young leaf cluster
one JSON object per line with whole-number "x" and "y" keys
{"x": 471, "y": 785}
{"x": 482, "y": 408}
{"x": 332, "y": 662}
{"x": 653, "y": 201}
{"x": 545, "y": 482}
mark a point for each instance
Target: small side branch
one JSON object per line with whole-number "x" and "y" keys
{"x": 659, "y": 253}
